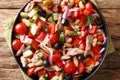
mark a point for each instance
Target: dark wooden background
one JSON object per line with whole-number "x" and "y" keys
{"x": 110, "y": 70}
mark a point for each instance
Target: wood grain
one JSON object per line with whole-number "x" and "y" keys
{"x": 109, "y": 70}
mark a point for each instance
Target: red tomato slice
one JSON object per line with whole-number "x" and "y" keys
{"x": 16, "y": 44}
{"x": 51, "y": 28}
{"x": 42, "y": 72}
{"x": 88, "y": 6}
{"x": 75, "y": 42}
{"x": 57, "y": 73}
{"x": 70, "y": 67}
{"x": 86, "y": 12}
{"x": 51, "y": 74}
{"x": 96, "y": 49}
{"x": 100, "y": 37}
{"x": 41, "y": 36}
{"x": 54, "y": 38}
{"x": 56, "y": 56}
{"x": 81, "y": 68}
{"x": 35, "y": 44}
{"x": 40, "y": 23}
{"x": 59, "y": 63}
{"x": 89, "y": 62}
{"x": 82, "y": 45}
{"x": 82, "y": 19}
{"x": 96, "y": 57}
{"x": 46, "y": 55}
{"x": 93, "y": 31}
{"x": 20, "y": 28}
{"x": 30, "y": 71}
{"x": 76, "y": 2}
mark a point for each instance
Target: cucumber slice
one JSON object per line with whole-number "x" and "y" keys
{"x": 34, "y": 29}
{"x": 39, "y": 63}
{"x": 55, "y": 16}
{"x": 55, "y": 78}
{"x": 27, "y": 22}
{"x": 50, "y": 19}
{"x": 33, "y": 12}
{"x": 62, "y": 36}
{"x": 44, "y": 77}
{"x": 34, "y": 18}
{"x": 23, "y": 14}
{"x": 48, "y": 11}
{"x": 27, "y": 53}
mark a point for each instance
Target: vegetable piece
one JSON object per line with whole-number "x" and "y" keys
{"x": 42, "y": 13}
{"x": 47, "y": 3}
{"x": 23, "y": 14}
{"x": 51, "y": 27}
{"x": 62, "y": 37}
{"x": 56, "y": 56}
{"x": 75, "y": 42}
{"x": 75, "y": 33}
{"x": 86, "y": 12}
{"x": 40, "y": 23}
{"x": 16, "y": 44}
{"x": 46, "y": 55}
{"x": 46, "y": 63}
{"x": 93, "y": 30}
{"x": 88, "y": 20}
{"x": 33, "y": 12}
{"x": 50, "y": 19}
{"x": 55, "y": 78}
{"x": 68, "y": 77}
{"x": 42, "y": 72}
{"x": 30, "y": 71}
{"x": 59, "y": 63}
{"x": 76, "y": 2}
{"x": 54, "y": 39}
{"x": 41, "y": 36}
{"x": 34, "y": 18}
{"x": 27, "y": 53}
{"x": 34, "y": 29}
{"x": 35, "y": 44}
{"x": 51, "y": 74}
{"x": 39, "y": 63}
{"x": 81, "y": 68}
{"x": 96, "y": 57}
{"x": 96, "y": 49}
{"x": 88, "y": 6}
{"x": 26, "y": 22}
{"x": 43, "y": 77}
{"x": 20, "y": 28}
{"x": 82, "y": 45}
{"x": 89, "y": 62}
{"x": 55, "y": 16}
{"x": 70, "y": 67}
{"x": 100, "y": 38}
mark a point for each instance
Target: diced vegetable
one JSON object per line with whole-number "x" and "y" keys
{"x": 43, "y": 77}
{"x": 55, "y": 16}
{"x": 55, "y": 78}
{"x": 33, "y": 12}
{"x": 27, "y": 53}
{"x": 62, "y": 37}
{"x": 23, "y": 14}
{"x": 34, "y": 29}
{"x": 34, "y": 18}
{"x": 39, "y": 63}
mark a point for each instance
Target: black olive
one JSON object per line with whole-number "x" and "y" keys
{"x": 68, "y": 77}
{"x": 66, "y": 23}
{"x": 98, "y": 21}
{"x": 46, "y": 63}
{"x": 81, "y": 57}
{"x": 42, "y": 13}
{"x": 58, "y": 45}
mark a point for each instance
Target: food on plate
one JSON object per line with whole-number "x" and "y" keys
{"x": 59, "y": 39}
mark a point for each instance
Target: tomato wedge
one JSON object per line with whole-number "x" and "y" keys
{"x": 81, "y": 68}
{"x": 30, "y": 71}
{"x": 35, "y": 44}
{"x": 42, "y": 72}
{"x": 41, "y": 36}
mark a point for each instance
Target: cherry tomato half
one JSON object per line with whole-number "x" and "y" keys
{"x": 20, "y": 28}
{"x": 88, "y": 6}
{"x": 54, "y": 38}
{"x": 30, "y": 71}
{"x": 70, "y": 67}
{"x": 40, "y": 23}
{"x": 16, "y": 44}
{"x": 81, "y": 68}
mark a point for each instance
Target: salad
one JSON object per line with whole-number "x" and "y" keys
{"x": 58, "y": 39}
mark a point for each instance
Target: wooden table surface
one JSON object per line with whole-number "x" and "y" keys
{"x": 110, "y": 70}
